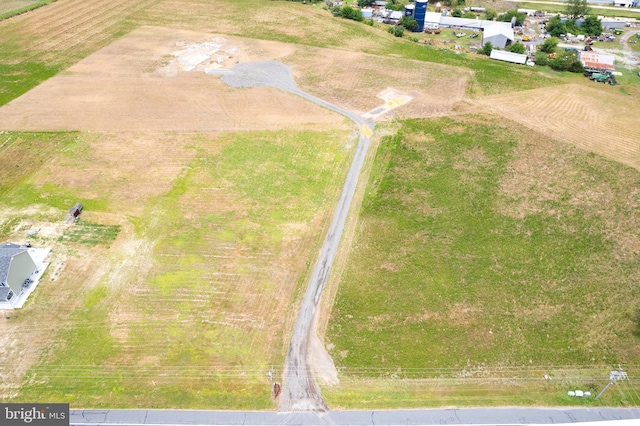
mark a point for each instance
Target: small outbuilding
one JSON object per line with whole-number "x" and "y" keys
{"x": 75, "y": 210}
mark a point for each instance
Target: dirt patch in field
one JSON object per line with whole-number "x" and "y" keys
{"x": 599, "y": 119}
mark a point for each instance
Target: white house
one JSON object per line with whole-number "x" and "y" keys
{"x": 20, "y": 270}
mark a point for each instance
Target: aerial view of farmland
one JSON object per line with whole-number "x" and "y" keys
{"x": 312, "y": 206}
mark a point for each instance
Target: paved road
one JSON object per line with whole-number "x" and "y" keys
{"x": 593, "y": 6}
{"x": 300, "y": 390}
{"x": 466, "y": 416}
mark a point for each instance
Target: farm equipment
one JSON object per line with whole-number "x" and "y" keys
{"x": 600, "y": 77}
{"x": 617, "y": 31}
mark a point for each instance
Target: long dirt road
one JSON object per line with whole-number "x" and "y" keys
{"x": 300, "y": 390}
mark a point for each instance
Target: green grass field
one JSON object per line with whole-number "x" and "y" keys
{"x": 206, "y": 325}
{"x": 466, "y": 260}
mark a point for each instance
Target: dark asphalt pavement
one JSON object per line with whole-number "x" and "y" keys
{"x": 465, "y": 416}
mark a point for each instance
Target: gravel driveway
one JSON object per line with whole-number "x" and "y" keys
{"x": 300, "y": 390}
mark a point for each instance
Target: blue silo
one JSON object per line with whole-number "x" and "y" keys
{"x": 409, "y": 9}
{"x": 419, "y": 13}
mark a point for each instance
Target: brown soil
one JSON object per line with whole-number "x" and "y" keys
{"x": 353, "y": 80}
{"x": 125, "y": 87}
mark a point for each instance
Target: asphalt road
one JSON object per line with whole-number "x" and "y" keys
{"x": 300, "y": 390}
{"x": 593, "y": 6}
{"x": 466, "y": 416}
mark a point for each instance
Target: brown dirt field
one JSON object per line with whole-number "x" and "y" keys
{"x": 125, "y": 87}
{"x": 353, "y": 81}
{"x": 128, "y": 86}
{"x": 598, "y": 119}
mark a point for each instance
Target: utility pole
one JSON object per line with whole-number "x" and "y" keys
{"x": 614, "y": 376}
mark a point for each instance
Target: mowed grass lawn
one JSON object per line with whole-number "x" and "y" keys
{"x": 484, "y": 251}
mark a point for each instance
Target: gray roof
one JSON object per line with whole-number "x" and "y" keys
{"x": 4, "y": 291}
{"x": 7, "y": 251}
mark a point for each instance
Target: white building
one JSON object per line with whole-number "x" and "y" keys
{"x": 20, "y": 270}
{"x": 500, "y": 34}
{"x": 503, "y": 55}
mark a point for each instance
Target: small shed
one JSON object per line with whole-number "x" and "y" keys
{"x": 75, "y": 210}
{"x": 502, "y": 55}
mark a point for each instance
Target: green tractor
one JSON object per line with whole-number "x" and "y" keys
{"x": 600, "y": 77}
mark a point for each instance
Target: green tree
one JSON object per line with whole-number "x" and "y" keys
{"x": 549, "y": 45}
{"x": 516, "y": 48}
{"x": 348, "y": 12}
{"x": 542, "y": 59}
{"x": 396, "y": 30}
{"x": 577, "y": 9}
{"x": 409, "y": 23}
{"x": 572, "y": 27}
{"x": 567, "y": 61}
{"x": 592, "y": 26}
{"x": 506, "y": 17}
{"x": 457, "y": 13}
{"x": 487, "y": 48}
{"x": 469, "y": 15}
{"x": 490, "y": 14}
{"x": 366, "y": 3}
{"x": 555, "y": 26}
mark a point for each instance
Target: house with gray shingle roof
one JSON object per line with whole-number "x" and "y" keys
{"x": 17, "y": 270}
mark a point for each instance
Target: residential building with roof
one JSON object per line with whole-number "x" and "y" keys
{"x": 19, "y": 273}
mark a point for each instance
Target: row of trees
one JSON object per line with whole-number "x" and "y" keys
{"x": 591, "y": 25}
{"x": 347, "y": 12}
{"x": 565, "y": 61}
